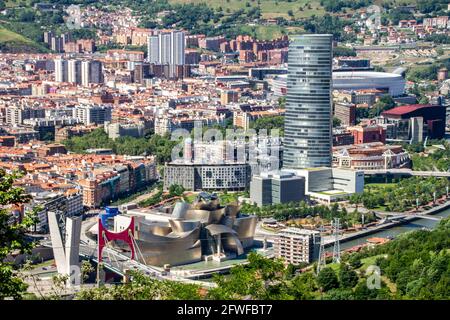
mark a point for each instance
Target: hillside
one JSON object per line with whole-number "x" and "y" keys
{"x": 269, "y": 8}
{"x": 14, "y": 42}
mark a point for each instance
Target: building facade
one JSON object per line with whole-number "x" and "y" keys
{"x": 308, "y": 137}
{"x": 297, "y": 246}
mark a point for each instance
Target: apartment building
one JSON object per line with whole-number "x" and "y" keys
{"x": 297, "y": 246}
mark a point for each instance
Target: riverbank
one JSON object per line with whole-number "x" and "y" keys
{"x": 348, "y": 237}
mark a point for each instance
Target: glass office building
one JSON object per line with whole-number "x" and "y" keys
{"x": 308, "y": 118}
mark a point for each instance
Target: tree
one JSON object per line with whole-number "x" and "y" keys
{"x": 348, "y": 277}
{"x": 336, "y": 122}
{"x": 142, "y": 287}
{"x": 327, "y": 279}
{"x": 12, "y": 235}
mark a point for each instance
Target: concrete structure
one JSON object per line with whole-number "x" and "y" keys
{"x": 66, "y": 246}
{"x": 167, "y": 48}
{"x": 74, "y": 71}
{"x": 331, "y": 184}
{"x": 276, "y": 187}
{"x": 346, "y": 113}
{"x": 307, "y": 138}
{"x": 297, "y": 246}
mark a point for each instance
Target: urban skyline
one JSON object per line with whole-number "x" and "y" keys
{"x": 267, "y": 150}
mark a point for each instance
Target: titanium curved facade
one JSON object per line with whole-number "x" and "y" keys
{"x": 307, "y": 126}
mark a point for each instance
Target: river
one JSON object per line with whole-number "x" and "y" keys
{"x": 395, "y": 231}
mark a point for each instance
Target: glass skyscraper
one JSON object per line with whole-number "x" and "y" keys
{"x": 308, "y": 118}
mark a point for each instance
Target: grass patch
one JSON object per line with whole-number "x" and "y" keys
{"x": 369, "y": 261}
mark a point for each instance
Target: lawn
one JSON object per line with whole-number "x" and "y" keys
{"x": 269, "y": 8}
{"x": 366, "y": 262}
{"x": 375, "y": 186}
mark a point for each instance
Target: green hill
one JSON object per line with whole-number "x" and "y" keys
{"x": 14, "y": 42}
{"x": 269, "y": 8}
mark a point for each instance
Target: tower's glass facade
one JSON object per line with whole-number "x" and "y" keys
{"x": 308, "y": 118}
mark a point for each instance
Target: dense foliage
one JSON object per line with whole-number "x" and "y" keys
{"x": 269, "y": 123}
{"x": 417, "y": 262}
{"x": 385, "y": 102}
{"x": 435, "y": 160}
{"x": 143, "y": 288}
{"x": 153, "y": 145}
{"x": 401, "y": 196}
{"x": 297, "y": 210}
{"x": 12, "y": 236}
{"x": 427, "y": 72}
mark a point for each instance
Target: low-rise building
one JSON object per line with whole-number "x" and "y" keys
{"x": 370, "y": 156}
{"x": 276, "y": 187}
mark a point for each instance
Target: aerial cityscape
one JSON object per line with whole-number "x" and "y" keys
{"x": 224, "y": 150}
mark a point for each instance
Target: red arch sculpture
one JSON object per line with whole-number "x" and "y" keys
{"x": 124, "y": 235}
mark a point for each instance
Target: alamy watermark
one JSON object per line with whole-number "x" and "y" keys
{"x": 213, "y": 146}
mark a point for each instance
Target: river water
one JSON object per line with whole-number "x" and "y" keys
{"x": 395, "y": 231}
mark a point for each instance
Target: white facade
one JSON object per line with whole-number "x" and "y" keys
{"x": 167, "y": 48}
{"x": 74, "y": 71}
{"x": 61, "y": 70}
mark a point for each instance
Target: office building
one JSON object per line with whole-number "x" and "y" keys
{"x": 276, "y": 187}
{"x": 308, "y": 136}
{"x": 297, "y": 246}
{"x": 193, "y": 176}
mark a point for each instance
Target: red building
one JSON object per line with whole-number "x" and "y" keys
{"x": 368, "y": 134}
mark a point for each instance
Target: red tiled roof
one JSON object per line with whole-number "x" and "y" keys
{"x": 405, "y": 109}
